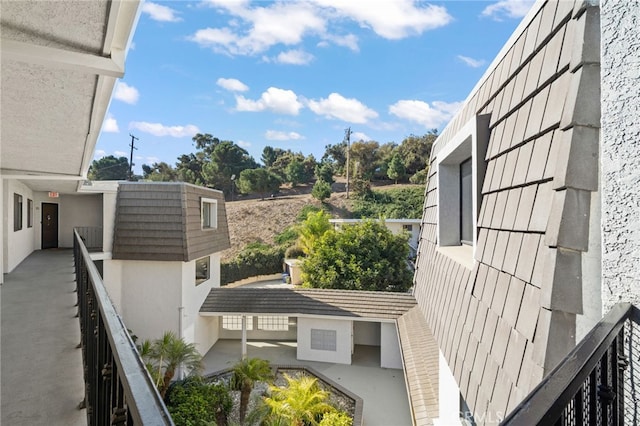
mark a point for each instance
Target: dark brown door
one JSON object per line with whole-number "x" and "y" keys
{"x": 49, "y": 225}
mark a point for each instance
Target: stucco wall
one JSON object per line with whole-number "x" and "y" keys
{"x": 390, "y": 355}
{"x": 17, "y": 244}
{"x": 75, "y": 211}
{"x": 344, "y": 345}
{"x": 620, "y": 151}
{"x": 192, "y": 298}
{"x": 2, "y": 230}
{"x": 150, "y": 295}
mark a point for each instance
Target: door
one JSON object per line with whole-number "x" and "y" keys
{"x": 49, "y": 225}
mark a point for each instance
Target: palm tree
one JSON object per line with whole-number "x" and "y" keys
{"x": 163, "y": 357}
{"x": 302, "y": 402}
{"x": 245, "y": 374}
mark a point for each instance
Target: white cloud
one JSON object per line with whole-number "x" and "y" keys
{"x": 391, "y": 19}
{"x": 110, "y": 125}
{"x": 150, "y": 160}
{"x": 244, "y": 144}
{"x": 359, "y": 136}
{"x": 159, "y": 12}
{"x": 430, "y": 116}
{"x": 262, "y": 27}
{"x": 275, "y": 135}
{"x": 232, "y": 85}
{"x": 341, "y": 108}
{"x": 158, "y": 129}
{"x": 275, "y": 100}
{"x": 121, "y": 154}
{"x": 508, "y": 9}
{"x": 254, "y": 29}
{"x": 473, "y": 63}
{"x": 126, "y": 93}
{"x": 294, "y": 57}
{"x": 99, "y": 153}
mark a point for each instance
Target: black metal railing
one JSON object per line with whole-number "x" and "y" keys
{"x": 118, "y": 388}
{"x": 597, "y": 383}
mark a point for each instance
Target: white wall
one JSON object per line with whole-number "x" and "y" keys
{"x": 17, "y": 244}
{"x": 620, "y": 151}
{"x": 448, "y": 397}
{"x": 344, "y": 344}
{"x": 366, "y": 333}
{"x": 109, "y": 220}
{"x": 75, "y": 211}
{"x": 151, "y": 294}
{"x": 196, "y": 329}
{"x": 390, "y": 355}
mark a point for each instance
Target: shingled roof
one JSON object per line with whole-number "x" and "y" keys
{"x": 342, "y": 303}
{"x": 162, "y": 221}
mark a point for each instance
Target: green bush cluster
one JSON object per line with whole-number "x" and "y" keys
{"x": 193, "y": 402}
{"x": 255, "y": 259}
{"x": 401, "y": 203}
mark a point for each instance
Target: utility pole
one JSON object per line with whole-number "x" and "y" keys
{"x": 133, "y": 139}
{"x": 347, "y": 136}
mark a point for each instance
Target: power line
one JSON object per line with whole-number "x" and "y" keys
{"x": 133, "y": 139}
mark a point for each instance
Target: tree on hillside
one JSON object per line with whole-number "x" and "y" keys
{"x": 336, "y": 155}
{"x": 324, "y": 171}
{"x": 415, "y": 151}
{"x": 226, "y": 160}
{"x": 364, "y": 256}
{"x": 364, "y": 157}
{"x": 189, "y": 168}
{"x": 258, "y": 181}
{"x": 159, "y": 172}
{"x": 109, "y": 168}
{"x": 295, "y": 172}
{"x": 206, "y": 143}
{"x": 396, "y": 169}
{"x": 384, "y": 155}
{"x": 321, "y": 190}
{"x": 270, "y": 155}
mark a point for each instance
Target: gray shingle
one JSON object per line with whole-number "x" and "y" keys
{"x": 541, "y": 208}
{"x": 539, "y": 157}
{"x": 525, "y": 207}
{"x": 511, "y": 208}
{"x": 528, "y": 315}
{"x": 527, "y": 258}
{"x": 513, "y": 302}
{"x": 513, "y": 252}
{"x": 568, "y": 224}
{"x": 522, "y": 166}
{"x": 577, "y": 159}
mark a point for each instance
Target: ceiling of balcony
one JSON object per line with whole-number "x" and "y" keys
{"x": 60, "y": 62}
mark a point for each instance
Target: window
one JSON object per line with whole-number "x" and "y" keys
{"x": 17, "y": 212}
{"x": 323, "y": 340}
{"x": 234, "y": 322}
{"x": 273, "y": 323}
{"x": 461, "y": 168}
{"x": 408, "y": 228}
{"x": 203, "y": 270}
{"x": 29, "y": 213}
{"x": 209, "y": 213}
{"x": 466, "y": 202}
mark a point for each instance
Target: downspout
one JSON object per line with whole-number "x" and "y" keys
{"x": 180, "y": 336}
{"x": 244, "y": 337}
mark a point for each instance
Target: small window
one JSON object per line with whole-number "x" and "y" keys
{"x": 209, "y": 213}
{"x": 323, "y": 340}
{"x": 408, "y": 228}
{"x": 273, "y": 323}
{"x": 234, "y": 322}
{"x": 203, "y": 270}
{"x": 466, "y": 202}
{"x": 29, "y": 213}
{"x": 17, "y": 212}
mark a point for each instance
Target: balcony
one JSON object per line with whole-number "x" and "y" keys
{"x": 598, "y": 382}
{"x": 43, "y": 379}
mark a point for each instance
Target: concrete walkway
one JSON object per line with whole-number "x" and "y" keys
{"x": 383, "y": 390}
{"x": 41, "y": 370}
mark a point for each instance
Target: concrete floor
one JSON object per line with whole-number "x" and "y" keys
{"x": 41, "y": 370}
{"x": 382, "y": 390}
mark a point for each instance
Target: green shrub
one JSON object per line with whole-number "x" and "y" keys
{"x": 336, "y": 418}
{"x": 402, "y": 203}
{"x": 294, "y": 252}
{"x": 288, "y": 236}
{"x": 304, "y": 212}
{"x": 192, "y": 402}
{"x": 255, "y": 259}
{"x": 321, "y": 190}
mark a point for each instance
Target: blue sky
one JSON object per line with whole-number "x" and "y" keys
{"x": 296, "y": 74}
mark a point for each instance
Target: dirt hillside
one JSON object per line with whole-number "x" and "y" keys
{"x": 256, "y": 220}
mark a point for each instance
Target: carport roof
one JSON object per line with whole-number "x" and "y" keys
{"x": 340, "y": 303}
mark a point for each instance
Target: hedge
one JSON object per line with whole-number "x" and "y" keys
{"x": 254, "y": 260}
